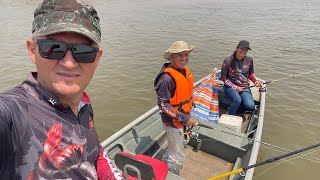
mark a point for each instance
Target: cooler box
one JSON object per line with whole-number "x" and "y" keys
{"x": 230, "y": 121}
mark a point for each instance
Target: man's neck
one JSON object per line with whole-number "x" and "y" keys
{"x": 73, "y": 103}
{"x": 176, "y": 68}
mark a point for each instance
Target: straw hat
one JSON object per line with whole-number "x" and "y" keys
{"x": 176, "y": 47}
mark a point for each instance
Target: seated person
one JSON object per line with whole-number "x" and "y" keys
{"x": 236, "y": 71}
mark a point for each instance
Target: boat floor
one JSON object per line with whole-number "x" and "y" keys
{"x": 201, "y": 165}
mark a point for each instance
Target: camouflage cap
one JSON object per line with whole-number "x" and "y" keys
{"x": 54, "y": 16}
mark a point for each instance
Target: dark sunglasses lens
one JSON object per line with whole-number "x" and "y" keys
{"x": 52, "y": 49}
{"x": 84, "y": 53}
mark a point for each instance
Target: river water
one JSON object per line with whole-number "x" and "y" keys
{"x": 284, "y": 37}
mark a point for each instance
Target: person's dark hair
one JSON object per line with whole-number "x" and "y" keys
{"x": 232, "y": 63}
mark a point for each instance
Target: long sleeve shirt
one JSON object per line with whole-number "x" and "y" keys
{"x": 238, "y": 73}
{"x": 165, "y": 89}
{"x": 43, "y": 139}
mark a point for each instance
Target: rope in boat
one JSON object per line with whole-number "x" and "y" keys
{"x": 274, "y": 147}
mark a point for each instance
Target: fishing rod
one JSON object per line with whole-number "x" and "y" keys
{"x": 261, "y": 142}
{"x": 291, "y": 76}
{"x": 244, "y": 169}
{"x": 265, "y": 82}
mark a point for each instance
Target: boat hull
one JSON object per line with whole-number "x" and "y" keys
{"x": 221, "y": 150}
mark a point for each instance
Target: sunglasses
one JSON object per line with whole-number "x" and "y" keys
{"x": 56, "y": 50}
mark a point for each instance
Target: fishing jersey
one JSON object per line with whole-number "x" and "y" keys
{"x": 43, "y": 139}
{"x": 239, "y": 73}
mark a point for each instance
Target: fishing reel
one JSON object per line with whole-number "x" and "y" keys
{"x": 192, "y": 134}
{"x": 262, "y": 89}
{"x": 189, "y": 133}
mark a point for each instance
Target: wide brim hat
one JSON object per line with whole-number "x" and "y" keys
{"x": 177, "y": 47}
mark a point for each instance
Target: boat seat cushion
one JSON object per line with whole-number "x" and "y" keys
{"x": 150, "y": 168}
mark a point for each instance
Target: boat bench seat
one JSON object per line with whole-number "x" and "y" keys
{"x": 221, "y": 141}
{"x": 141, "y": 167}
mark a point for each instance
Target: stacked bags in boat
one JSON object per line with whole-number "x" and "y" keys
{"x": 206, "y": 98}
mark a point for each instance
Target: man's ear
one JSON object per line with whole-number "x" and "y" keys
{"x": 32, "y": 49}
{"x": 99, "y": 54}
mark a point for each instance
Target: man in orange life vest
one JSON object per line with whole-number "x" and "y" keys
{"x": 174, "y": 87}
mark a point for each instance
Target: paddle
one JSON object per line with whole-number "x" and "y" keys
{"x": 263, "y": 162}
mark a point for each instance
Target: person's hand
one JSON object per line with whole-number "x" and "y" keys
{"x": 258, "y": 83}
{"x": 240, "y": 89}
{"x": 191, "y": 122}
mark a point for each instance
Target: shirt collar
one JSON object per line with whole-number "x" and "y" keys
{"x": 42, "y": 93}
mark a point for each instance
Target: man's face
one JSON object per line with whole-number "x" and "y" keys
{"x": 180, "y": 60}
{"x": 66, "y": 78}
{"x": 241, "y": 52}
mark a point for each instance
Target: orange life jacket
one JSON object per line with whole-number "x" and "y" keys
{"x": 182, "y": 99}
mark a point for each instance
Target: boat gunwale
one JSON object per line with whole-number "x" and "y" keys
{"x": 257, "y": 138}
{"x": 141, "y": 118}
